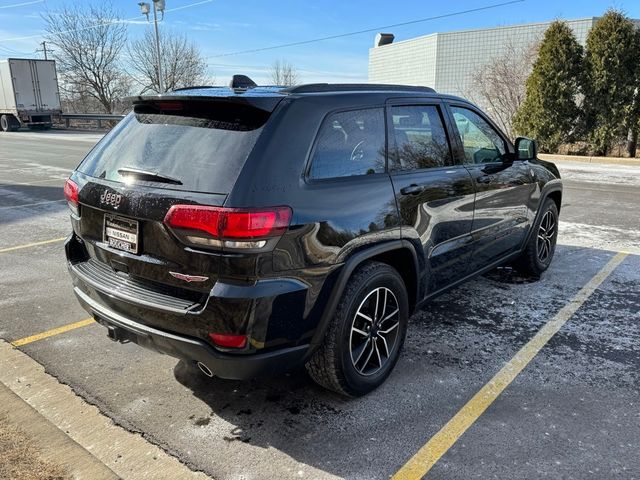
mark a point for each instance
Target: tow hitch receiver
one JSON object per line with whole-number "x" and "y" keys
{"x": 117, "y": 334}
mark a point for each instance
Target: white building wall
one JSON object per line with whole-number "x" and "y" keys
{"x": 461, "y": 54}
{"x": 412, "y": 62}
{"x": 447, "y": 61}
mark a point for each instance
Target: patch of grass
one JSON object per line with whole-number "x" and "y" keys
{"x": 21, "y": 460}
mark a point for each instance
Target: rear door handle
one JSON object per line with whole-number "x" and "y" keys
{"x": 484, "y": 179}
{"x": 412, "y": 189}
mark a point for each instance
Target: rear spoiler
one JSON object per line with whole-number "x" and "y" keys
{"x": 266, "y": 101}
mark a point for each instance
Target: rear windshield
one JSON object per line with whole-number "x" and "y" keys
{"x": 195, "y": 148}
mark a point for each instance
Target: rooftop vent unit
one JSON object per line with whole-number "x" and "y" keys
{"x": 383, "y": 39}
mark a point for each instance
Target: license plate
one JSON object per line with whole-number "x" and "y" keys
{"x": 121, "y": 233}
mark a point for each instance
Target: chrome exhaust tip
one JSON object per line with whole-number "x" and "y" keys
{"x": 204, "y": 369}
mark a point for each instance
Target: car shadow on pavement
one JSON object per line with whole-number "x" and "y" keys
{"x": 21, "y": 202}
{"x": 277, "y": 398}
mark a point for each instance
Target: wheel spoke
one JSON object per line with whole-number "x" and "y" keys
{"x": 375, "y": 312}
{"x": 384, "y": 332}
{"x": 359, "y": 332}
{"x": 369, "y": 319}
{"x": 366, "y": 362}
{"x": 375, "y": 345}
{"x": 551, "y": 229}
{"x": 389, "y": 316}
{"x": 362, "y": 348}
{"x": 386, "y": 346}
{"x": 384, "y": 305}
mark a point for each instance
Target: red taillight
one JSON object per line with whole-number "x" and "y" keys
{"x": 235, "y": 227}
{"x": 229, "y": 341}
{"x": 194, "y": 217}
{"x": 71, "y": 194}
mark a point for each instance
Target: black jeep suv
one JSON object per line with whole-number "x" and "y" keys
{"x": 255, "y": 230}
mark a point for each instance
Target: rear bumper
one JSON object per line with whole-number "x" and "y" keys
{"x": 229, "y": 366}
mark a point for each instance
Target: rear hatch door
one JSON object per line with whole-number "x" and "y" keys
{"x": 169, "y": 150}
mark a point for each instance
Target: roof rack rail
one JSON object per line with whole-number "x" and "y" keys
{"x": 354, "y": 87}
{"x": 194, "y": 87}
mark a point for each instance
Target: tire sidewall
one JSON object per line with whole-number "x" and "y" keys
{"x": 358, "y": 383}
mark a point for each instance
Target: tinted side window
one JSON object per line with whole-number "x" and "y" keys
{"x": 482, "y": 144}
{"x": 419, "y": 138}
{"x": 350, "y": 143}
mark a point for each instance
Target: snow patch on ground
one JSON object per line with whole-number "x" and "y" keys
{"x": 600, "y": 173}
{"x": 598, "y": 237}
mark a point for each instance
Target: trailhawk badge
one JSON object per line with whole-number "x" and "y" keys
{"x": 188, "y": 278}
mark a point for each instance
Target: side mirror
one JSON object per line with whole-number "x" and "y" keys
{"x": 526, "y": 148}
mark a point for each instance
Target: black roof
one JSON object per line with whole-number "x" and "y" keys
{"x": 267, "y": 97}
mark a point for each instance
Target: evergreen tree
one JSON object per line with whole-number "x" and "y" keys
{"x": 549, "y": 112}
{"x": 610, "y": 80}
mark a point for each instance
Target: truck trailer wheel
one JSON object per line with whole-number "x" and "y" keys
{"x": 8, "y": 123}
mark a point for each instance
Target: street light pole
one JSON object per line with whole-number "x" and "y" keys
{"x": 155, "y": 26}
{"x": 158, "y": 5}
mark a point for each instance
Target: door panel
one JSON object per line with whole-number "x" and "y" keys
{"x": 47, "y": 85}
{"x": 435, "y": 197}
{"x": 501, "y": 220}
{"x": 23, "y": 84}
{"x": 503, "y": 186}
{"x": 438, "y": 219}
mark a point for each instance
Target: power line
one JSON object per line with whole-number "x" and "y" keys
{"x": 368, "y": 30}
{"x": 11, "y": 51}
{"x": 23, "y": 4}
{"x": 99, "y": 24}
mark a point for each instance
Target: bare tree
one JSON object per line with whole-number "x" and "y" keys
{"x": 500, "y": 85}
{"x": 183, "y": 65}
{"x": 284, "y": 74}
{"x": 88, "y": 40}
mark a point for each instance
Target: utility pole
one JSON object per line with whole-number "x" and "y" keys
{"x": 158, "y": 6}
{"x": 44, "y": 49}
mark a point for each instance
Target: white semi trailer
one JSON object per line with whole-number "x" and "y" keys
{"x": 29, "y": 93}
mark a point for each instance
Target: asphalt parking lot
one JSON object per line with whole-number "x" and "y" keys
{"x": 572, "y": 412}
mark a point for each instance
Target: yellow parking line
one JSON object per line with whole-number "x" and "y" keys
{"x": 34, "y": 244}
{"x": 52, "y": 332}
{"x": 437, "y": 446}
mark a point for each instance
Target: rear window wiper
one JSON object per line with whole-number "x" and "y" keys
{"x": 145, "y": 174}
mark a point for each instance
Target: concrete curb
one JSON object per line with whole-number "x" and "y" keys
{"x": 126, "y": 454}
{"x": 52, "y": 443}
{"x": 634, "y": 162}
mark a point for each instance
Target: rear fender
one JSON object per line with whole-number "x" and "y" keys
{"x": 345, "y": 274}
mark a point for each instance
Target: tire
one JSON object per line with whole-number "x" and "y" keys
{"x": 8, "y": 123}
{"x": 538, "y": 253}
{"x": 340, "y": 363}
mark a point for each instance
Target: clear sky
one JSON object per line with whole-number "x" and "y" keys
{"x": 225, "y": 26}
